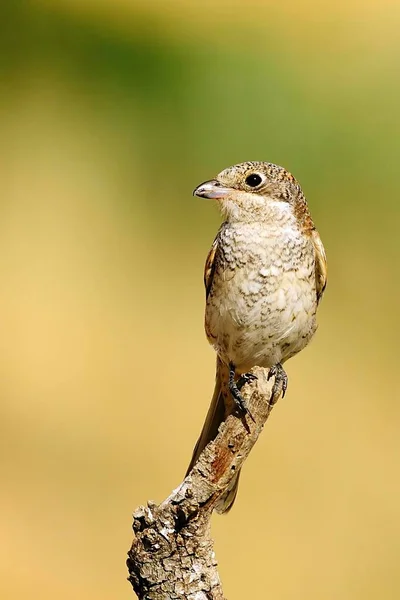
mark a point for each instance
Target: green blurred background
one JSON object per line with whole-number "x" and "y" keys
{"x": 111, "y": 112}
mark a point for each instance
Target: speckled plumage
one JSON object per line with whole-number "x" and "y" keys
{"x": 264, "y": 277}
{"x": 262, "y": 302}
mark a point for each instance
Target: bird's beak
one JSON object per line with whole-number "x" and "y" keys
{"x": 211, "y": 189}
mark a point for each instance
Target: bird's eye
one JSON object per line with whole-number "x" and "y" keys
{"x": 253, "y": 180}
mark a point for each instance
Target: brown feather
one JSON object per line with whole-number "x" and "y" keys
{"x": 209, "y": 267}
{"x": 215, "y": 416}
{"x": 321, "y": 267}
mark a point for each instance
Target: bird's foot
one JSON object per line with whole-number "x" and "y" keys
{"x": 245, "y": 378}
{"x": 280, "y": 383}
{"x": 235, "y": 388}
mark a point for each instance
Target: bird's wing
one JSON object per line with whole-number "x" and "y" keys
{"x": 209, "y": 267}
{"x": 320, "y": 264}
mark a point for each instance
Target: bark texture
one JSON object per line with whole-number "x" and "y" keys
{"x": 172, "y": 556}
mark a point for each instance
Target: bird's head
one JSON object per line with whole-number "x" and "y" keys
{"x": 256, "y": 191}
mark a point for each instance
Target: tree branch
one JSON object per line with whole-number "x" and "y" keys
{"x": 172, "y": 556}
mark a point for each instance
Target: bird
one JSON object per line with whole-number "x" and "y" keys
{"x": 264, "y": 277}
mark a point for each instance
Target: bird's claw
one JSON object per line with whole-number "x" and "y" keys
{"x": 280, "y": 383}
{"x": 241, "y": 402}
{"x": 236, "y": 387}
{"x": 244, "y": 379}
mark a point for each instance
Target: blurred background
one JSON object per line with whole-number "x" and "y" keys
{"x": 111, "y": 112}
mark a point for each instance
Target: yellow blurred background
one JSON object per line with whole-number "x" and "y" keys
{"x": 111, "y": 112}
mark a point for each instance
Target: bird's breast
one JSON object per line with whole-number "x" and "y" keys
{"x": 263, "y": 292}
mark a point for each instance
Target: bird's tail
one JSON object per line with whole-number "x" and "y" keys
{"x": 217, "y": 413}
